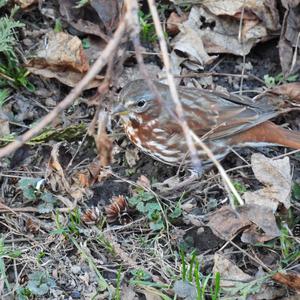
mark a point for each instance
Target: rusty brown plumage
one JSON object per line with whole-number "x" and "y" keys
{"x": 221, "y": 120}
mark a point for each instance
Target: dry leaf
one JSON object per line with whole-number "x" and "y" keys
{"x": 4, "y": 124}
{"x": 291, "y": 280}
{"x": 108, "y": 12}
{"x": 289, "y": 39}
{"x": 62, "y": 51}
{"x": 268, "y": 292}
{"x": 185, "y": 290}
{"x": 262, "y": 204}
{"x": 176, "y": 67}
{"x": 68, "y": 77}
{"x": 190, "y": 42}
{"x": 290, "y": 3}
{"x": 84, "y": 20}
{"x": 31, "y": 226}
{"x": 220, "y": 33}
{"x": 150, "y": 293}
{"x": 292, "y": 90}
{"x": 103, "y": 142}
{"x": 253, "y": 235}
{"x": 226, "y": 222}
{"x": 230, "y": 274}
{"x": 78, "y": 193}
{"x": 92, "y": 174}
{"x": 60, "y": 182}
{"x": 276, "y": 176}
{"x": 264, "y": 12}
{"x": 262, "y": 216}
{"x": 127, "y": 293}
{"x": 96, "y": 46}
{"x": 132, "y": 156}
{"x": 144, "y": 181}
{"x": 85, "y": 179}
{"x": 25, "y": 3}
{"x": 173, "y": 22}
{"x": 63, "y": 58}
{"x": 57, "y": 176}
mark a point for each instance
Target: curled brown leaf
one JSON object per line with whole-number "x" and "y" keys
{"x": 292, "y": 90}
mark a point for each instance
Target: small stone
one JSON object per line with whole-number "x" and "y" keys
{"x": 75, "y": 295}
{"x": 75, "y": 269}
{"x": 50, "y": 102}
{"x": 236, "y": 86}
{"x": 28, "y": 42}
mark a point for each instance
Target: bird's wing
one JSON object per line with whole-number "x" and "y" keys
{"x": 214, "y": 115}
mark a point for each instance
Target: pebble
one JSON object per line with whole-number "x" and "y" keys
{"x": 49, "y": 102}
{"x": 28, "y": 42}
{"x": 75, "y": 269}
{"x": 75, "y": 295}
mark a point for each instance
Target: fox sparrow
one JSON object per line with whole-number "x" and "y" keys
{"x": 222, "y": 121}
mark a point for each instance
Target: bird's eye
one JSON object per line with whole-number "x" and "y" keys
{"x": 141, "y": 103}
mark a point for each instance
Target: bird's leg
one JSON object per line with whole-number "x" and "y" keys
{"x": 175, "y": 182}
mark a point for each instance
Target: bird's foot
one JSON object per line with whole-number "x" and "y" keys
{"x": 176, "y": 183}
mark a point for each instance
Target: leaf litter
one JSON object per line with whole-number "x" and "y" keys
{"x": 260, "y": 206}
{"x": 89, "y": 220}
{"x": 63, "y": 58}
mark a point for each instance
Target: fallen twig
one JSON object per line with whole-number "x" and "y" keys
{"x": 189, "y": 134}
{"x": 4, "y": 208}
{"x": 178, "y": 107}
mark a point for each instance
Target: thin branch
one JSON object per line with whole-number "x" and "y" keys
{"x": 178, "y": 107}
{"x": 30, "y": 209}
{"x": 295, "y": 55}
{"x": 138, "y": 49}
{"x": 241, "y": 40}
{"x": 203, "y": 74}
{"x": 223, "y": 173}
{"x": 188, "y": 133}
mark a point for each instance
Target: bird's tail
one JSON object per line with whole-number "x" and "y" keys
{"x": 269, "y": 133}
{"x": 288, "y": 138}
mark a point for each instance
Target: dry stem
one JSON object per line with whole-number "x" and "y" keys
{"x": 178, "y": 107}
{"x": 188, "y": 133}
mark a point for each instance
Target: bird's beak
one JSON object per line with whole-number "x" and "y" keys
{"x": 120, "y": 110}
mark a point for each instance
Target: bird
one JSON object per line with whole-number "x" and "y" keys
{"x": 223, "y": 121}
